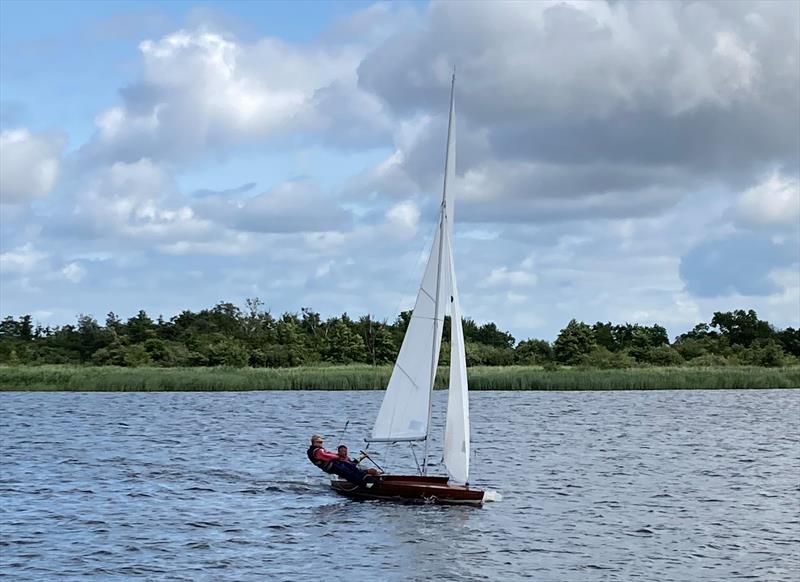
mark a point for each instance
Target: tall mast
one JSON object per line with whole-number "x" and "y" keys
{"x": 442, "y": 232}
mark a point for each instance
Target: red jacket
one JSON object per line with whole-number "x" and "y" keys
{"x": 325, "y": 456}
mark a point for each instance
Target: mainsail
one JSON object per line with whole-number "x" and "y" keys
{"x": 406, "y": 406}
{"x": 405, "y": 412}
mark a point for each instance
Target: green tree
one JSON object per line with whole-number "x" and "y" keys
{"x": 490, "y": 335}
{"x": 662, "y": 356}
{"x": 742, "y": 327}
{"x": 764, "y": 352}
{"x": 91, "y": 337}
{"x": 789, "y": 339}
{"x": 604, "y": 359}
{"x": 344, "y": 345}
{"x": 140, "y": 328}
{"x": 573, "y": 342}
{"x": 533, "y": 352}
{"x": 604, "y": 336}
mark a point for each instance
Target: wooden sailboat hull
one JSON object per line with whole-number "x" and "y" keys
{"x": 412, "y": 489}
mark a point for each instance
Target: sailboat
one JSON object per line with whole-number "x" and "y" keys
{"x": 405, "y": 414}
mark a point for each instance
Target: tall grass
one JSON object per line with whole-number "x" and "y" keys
{"x": 361, "y": 377}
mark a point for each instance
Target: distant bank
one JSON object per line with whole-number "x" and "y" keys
{"x": 360, "y": 377}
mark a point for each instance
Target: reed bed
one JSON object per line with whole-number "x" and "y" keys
{"x": 361, "y": 377}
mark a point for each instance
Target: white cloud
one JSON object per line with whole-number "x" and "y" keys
{"x": 503, "y": 276}
{"x": 137, "y": 201}
{"x": 73, "y": 272}
{"x": 774, "y": 202}
{"x": 291, "y": 206}
{"x": 404, "y": 216}
{"x": 24, "y": 259}
{"x": 29, "y": 164}
{"x": 204, "y": 90}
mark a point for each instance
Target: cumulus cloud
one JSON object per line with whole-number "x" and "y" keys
{"x": 29, "y": 164}
{"x": 775, "y": 202}
{"x": 404, "y": 216}
{"x": 292, "y": 206}
{"x": 610, "y": 109}
{"x": 204, "y": 90}
{"x": 73, "y": 272}
{"x": 24, "y": 259}
{"x": 138, "y": 200}
{"x": 503, "y": 276}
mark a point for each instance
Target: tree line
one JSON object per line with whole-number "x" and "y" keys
{"x": 226, "y": 335}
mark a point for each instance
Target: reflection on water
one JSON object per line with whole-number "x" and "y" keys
{"x": 597, "y": 485}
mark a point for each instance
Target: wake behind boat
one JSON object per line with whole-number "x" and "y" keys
{"x": 405, "y": 414}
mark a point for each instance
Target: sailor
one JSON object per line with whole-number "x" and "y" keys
{"x": 332, "y": 463}
{"x": 343, "y": 456}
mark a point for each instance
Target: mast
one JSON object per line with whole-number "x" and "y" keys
{"x": 442, "y": 222}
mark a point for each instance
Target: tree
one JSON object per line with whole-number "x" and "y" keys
{"x": 344, "y": 345}
{"x": 604, "y": 359}
{"x": 662, "y": 356}
{"x": 140, "y": 328}
{"x": 742, "y": 327}
{"x": 764, "y": 352}
{"x": 489, "y": 335}
{"x": 26, "y": 328}
{"x": 789, "y": 339}
{"x": 91, "y": 337}
{"x": 604, "y": 336}
{"x": 533, "y": 351}
{"x": 289, "y": 336}
{"x": 573, "y": 342}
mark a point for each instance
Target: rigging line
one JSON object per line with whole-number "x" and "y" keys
{"x": 414, "y": 454}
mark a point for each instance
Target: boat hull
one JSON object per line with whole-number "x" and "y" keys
{"x": 412, "y": 489}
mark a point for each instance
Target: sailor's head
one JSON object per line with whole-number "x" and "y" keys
{"x": 342, "y": 450}
{"x": 316, "y": 440}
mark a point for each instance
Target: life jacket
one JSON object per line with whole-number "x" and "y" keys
{"x": 324, "y": 465}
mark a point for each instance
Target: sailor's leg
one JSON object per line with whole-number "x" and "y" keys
{"x": 348, "y": 471}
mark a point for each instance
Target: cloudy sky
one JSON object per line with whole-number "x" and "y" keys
{"x": 623, "y": 161}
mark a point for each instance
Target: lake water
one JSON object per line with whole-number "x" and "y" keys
{"x": 662, "y": 485}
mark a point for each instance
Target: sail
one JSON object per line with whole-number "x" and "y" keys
{"x": 456, "y": 433}
{"x": 405, "y": 411}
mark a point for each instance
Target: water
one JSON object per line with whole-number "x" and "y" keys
{"x": 668, "y": 485}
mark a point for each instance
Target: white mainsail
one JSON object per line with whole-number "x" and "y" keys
{"x": 405, "y": 412}
{"x": 406, "y": 406}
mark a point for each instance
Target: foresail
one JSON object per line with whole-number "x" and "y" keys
{"x": 456, "y": 433}
{"x": 405, "y": 409}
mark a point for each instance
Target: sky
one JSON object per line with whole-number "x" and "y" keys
{"x": 624, "y": 161}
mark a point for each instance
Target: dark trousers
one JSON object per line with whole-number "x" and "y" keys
{"x": 348, "y": 471}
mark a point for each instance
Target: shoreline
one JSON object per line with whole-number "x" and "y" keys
{"x": 66, "y": 378}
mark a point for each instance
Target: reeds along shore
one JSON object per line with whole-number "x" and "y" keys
{"x": 360, "y": 377}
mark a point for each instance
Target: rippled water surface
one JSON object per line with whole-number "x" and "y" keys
{"x": 667, "y": 485}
